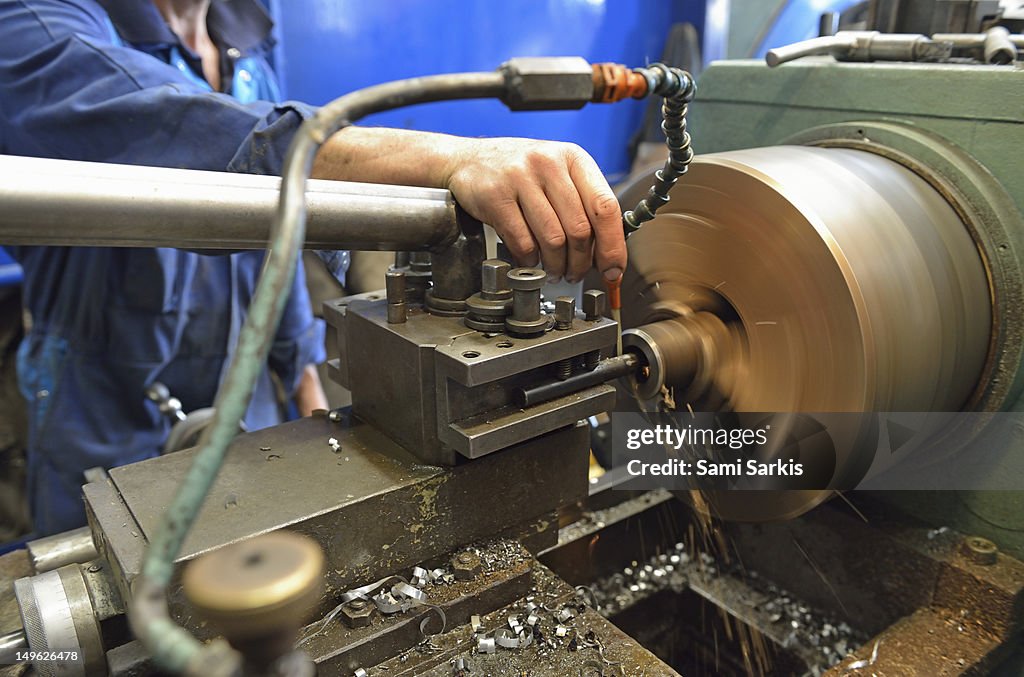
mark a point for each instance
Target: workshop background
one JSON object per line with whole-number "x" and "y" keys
{"x": 802, "y": 582}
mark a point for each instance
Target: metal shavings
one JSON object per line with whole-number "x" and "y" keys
{"x": 435, "y": 575}
{"x": 334, "y": 444}
{"x": 509, "y": 639}
{"x": 561, "y": 631}
{"x": 400, "y": 590}
{"x": 427, "y": 646}
{"x": 857, "y": 665}
{"x": 420, "y": 577}
{"x": 584, "y": 592}
{"x": 360, "y": 672}
{"x": 264, "y": 448}
{"x": 459, "y": 666}
{"x": 485, "y": 645}
{"x": 401, "y": 597}
{"x": 386, "y": 603}
{"x": 532, "y": 620}
{"x": 476, "y": 624}
{"x": 828, "y": 638}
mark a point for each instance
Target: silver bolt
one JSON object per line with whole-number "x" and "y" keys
{"x": 565, "y": 312}
{"x": 495, "y": 277}
{"x": 593, "y": 304}
{"x": 394, "y": 281}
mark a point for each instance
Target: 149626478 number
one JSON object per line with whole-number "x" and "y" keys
{"x": 45, "y": 656}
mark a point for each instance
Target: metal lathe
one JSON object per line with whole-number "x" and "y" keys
{"x": 849, "y": 237}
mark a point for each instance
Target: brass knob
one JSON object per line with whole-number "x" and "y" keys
{"x": 258, "y": 587}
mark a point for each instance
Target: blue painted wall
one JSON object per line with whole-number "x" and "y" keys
{"x": 330, "y": 47}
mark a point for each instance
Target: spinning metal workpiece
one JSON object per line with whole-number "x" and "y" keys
{"x": 799, "y": 279}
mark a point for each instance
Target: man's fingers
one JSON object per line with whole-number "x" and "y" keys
{"x": 507, "y": 220}
{"x": 565, "y": 200}
{"x": 543, "y": 222}
{"x": 605, "y": 216}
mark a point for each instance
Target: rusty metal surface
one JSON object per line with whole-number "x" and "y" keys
{"x": 340, "y": 649}
{"x": 929, "y": 642}
{"x": 565, "y": 659}
{"x": 289, "y": 477}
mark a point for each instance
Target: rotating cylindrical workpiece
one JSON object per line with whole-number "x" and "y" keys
{"x": 677, "y": 352}
{"x": 841, "y": 281}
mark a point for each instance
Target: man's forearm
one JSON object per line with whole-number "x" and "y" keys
{"x": 548, "y": 201}
{"x": 309, "y": 396}
{"x": 396, "y": 156}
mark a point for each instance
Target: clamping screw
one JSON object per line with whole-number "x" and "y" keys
{"x": 495, "y": 278}
{"x": 565, "y": 312}
{"x": 593, "y": 304}
{"x": 394, "y": 287}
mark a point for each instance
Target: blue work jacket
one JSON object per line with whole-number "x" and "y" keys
{"x": 108, "y": 81}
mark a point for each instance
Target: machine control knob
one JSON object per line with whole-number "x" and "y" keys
{"x": 258, "y": 592}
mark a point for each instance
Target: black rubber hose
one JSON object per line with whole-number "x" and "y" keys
{"x": 678, "y": 88}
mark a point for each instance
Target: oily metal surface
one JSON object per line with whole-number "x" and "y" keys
{"x": 845, "y": 282}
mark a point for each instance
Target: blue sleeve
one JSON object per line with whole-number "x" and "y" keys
{"x": 300, "y": 337}
{"x": 299, "y": 340}
{"x": 68, "y": 91}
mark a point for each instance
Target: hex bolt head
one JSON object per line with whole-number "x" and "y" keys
{"x": 357, "y": 613}
{"x": 565, "y": 312}
{"x": 466, "y": 566}
{"x": 494, "y": 273}
{"x": 980, "y": 550}
{"x": 593, "y": 304}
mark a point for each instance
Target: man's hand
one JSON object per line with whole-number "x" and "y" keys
{"x": 548, "y": 201}
{"x": 309, "y": 396}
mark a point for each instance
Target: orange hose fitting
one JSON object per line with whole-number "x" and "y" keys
{"x": 615, "y": 82}
{"x": 614, "y": 297}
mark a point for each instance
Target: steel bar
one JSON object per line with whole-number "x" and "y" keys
{"x": 53, "y": 552}
{"x": 13, "y": 640}
{"x": 605, "y": 371}
{"x": 61, "y": 202}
